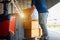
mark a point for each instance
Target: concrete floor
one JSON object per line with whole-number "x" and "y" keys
{"x": 54, "y": 33}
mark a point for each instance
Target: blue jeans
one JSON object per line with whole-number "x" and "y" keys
{"x": 43, "y": 21}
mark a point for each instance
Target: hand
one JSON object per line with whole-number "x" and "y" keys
{"x": 32, "y": 8}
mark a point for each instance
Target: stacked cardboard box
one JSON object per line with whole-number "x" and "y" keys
{"x": 31, "y": 27}
{"x": 33, "y": 30}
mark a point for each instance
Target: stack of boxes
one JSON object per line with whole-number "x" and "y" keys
{"x": 31, "y": 27}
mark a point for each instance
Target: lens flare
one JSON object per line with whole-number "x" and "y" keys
{"x": 22, "y": 15}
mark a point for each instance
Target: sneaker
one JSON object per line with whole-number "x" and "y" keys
{"x": 46, "y": 38}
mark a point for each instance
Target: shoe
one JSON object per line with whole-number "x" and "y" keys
{"x": 46, "y": 38}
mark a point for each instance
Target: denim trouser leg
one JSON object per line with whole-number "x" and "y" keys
{"x": 43, "y": 22}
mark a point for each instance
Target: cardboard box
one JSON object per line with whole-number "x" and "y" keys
{"x": 31, "y": 27}
{"x": 31, "y": 24}
{"x": 29, "y": 33}
{"x": 28, "y": 22}
{"x": 34, "y": 24}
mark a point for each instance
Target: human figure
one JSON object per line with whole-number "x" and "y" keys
{"x": 42, "y": 15}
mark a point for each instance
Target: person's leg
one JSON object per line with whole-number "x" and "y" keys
{"x": 43, "y": 22}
